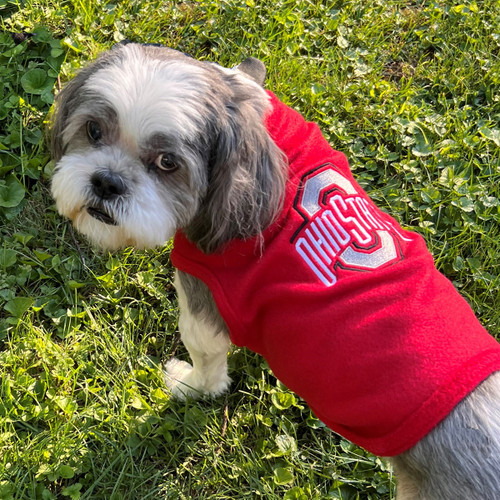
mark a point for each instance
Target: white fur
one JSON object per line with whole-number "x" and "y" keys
{"x": 161, "y": 98}
{"x": 208, "y": 349}
{"x": 146, "y": 222}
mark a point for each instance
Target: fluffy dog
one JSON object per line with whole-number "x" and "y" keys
{"x": 278, "y": 248}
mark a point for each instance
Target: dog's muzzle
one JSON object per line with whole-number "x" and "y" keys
{"x": 106, "y": 187}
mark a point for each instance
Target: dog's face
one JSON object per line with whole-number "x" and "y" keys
{"x": 148, "y": 141}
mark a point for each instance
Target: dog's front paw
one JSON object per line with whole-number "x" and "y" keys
{"x": 177, "y": 379}
{"x": 184, "y": 381}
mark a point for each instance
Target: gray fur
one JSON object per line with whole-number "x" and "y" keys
{"x": 254, "y": 68}
{"x": 201, "y": 302}
{"x": 247, "y": 175}
{"x": 72, "y": 98}
{"x": 460, "y": 458}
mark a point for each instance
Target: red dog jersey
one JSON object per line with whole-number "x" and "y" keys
{"x": 346, "y": 306}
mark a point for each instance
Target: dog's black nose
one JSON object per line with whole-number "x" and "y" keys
{"x": 107, "y": 185}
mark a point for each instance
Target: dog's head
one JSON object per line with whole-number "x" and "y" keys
{"x": 148, "y": 140}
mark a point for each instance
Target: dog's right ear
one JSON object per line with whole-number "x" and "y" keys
{"x": 254, "y": 68}
{"x": 70, "y": 98}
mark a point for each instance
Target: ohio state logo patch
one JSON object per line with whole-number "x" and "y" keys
{"x": 342, "y": 229}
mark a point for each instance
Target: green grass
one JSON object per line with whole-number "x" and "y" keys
{"x": 409, "y": 90}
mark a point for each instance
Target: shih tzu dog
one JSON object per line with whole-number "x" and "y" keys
{"x": 278, "y": 248}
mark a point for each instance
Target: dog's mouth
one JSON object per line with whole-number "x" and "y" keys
{"x": 101, "y": 216}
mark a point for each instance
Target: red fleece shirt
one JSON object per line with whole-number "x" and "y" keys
{"x": 346, "y": 306}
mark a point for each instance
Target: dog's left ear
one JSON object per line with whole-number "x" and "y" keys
{"x": 254, "y": 68}
{"x": 246, "y": 171}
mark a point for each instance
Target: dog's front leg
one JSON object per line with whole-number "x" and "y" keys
{"x": 206, "y": 338}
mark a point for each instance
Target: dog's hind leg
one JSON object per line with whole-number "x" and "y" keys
{"x": 460, "y": 459}
{"x": 205, "y": 336}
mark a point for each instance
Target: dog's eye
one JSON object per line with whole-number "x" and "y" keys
{"x": 165, "y": 162}
{"x": 94, "y": 131}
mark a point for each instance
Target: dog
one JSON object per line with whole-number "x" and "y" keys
{"x": 278, "y": 249}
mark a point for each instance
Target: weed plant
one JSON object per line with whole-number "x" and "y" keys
{"x": 409, "y": 90}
